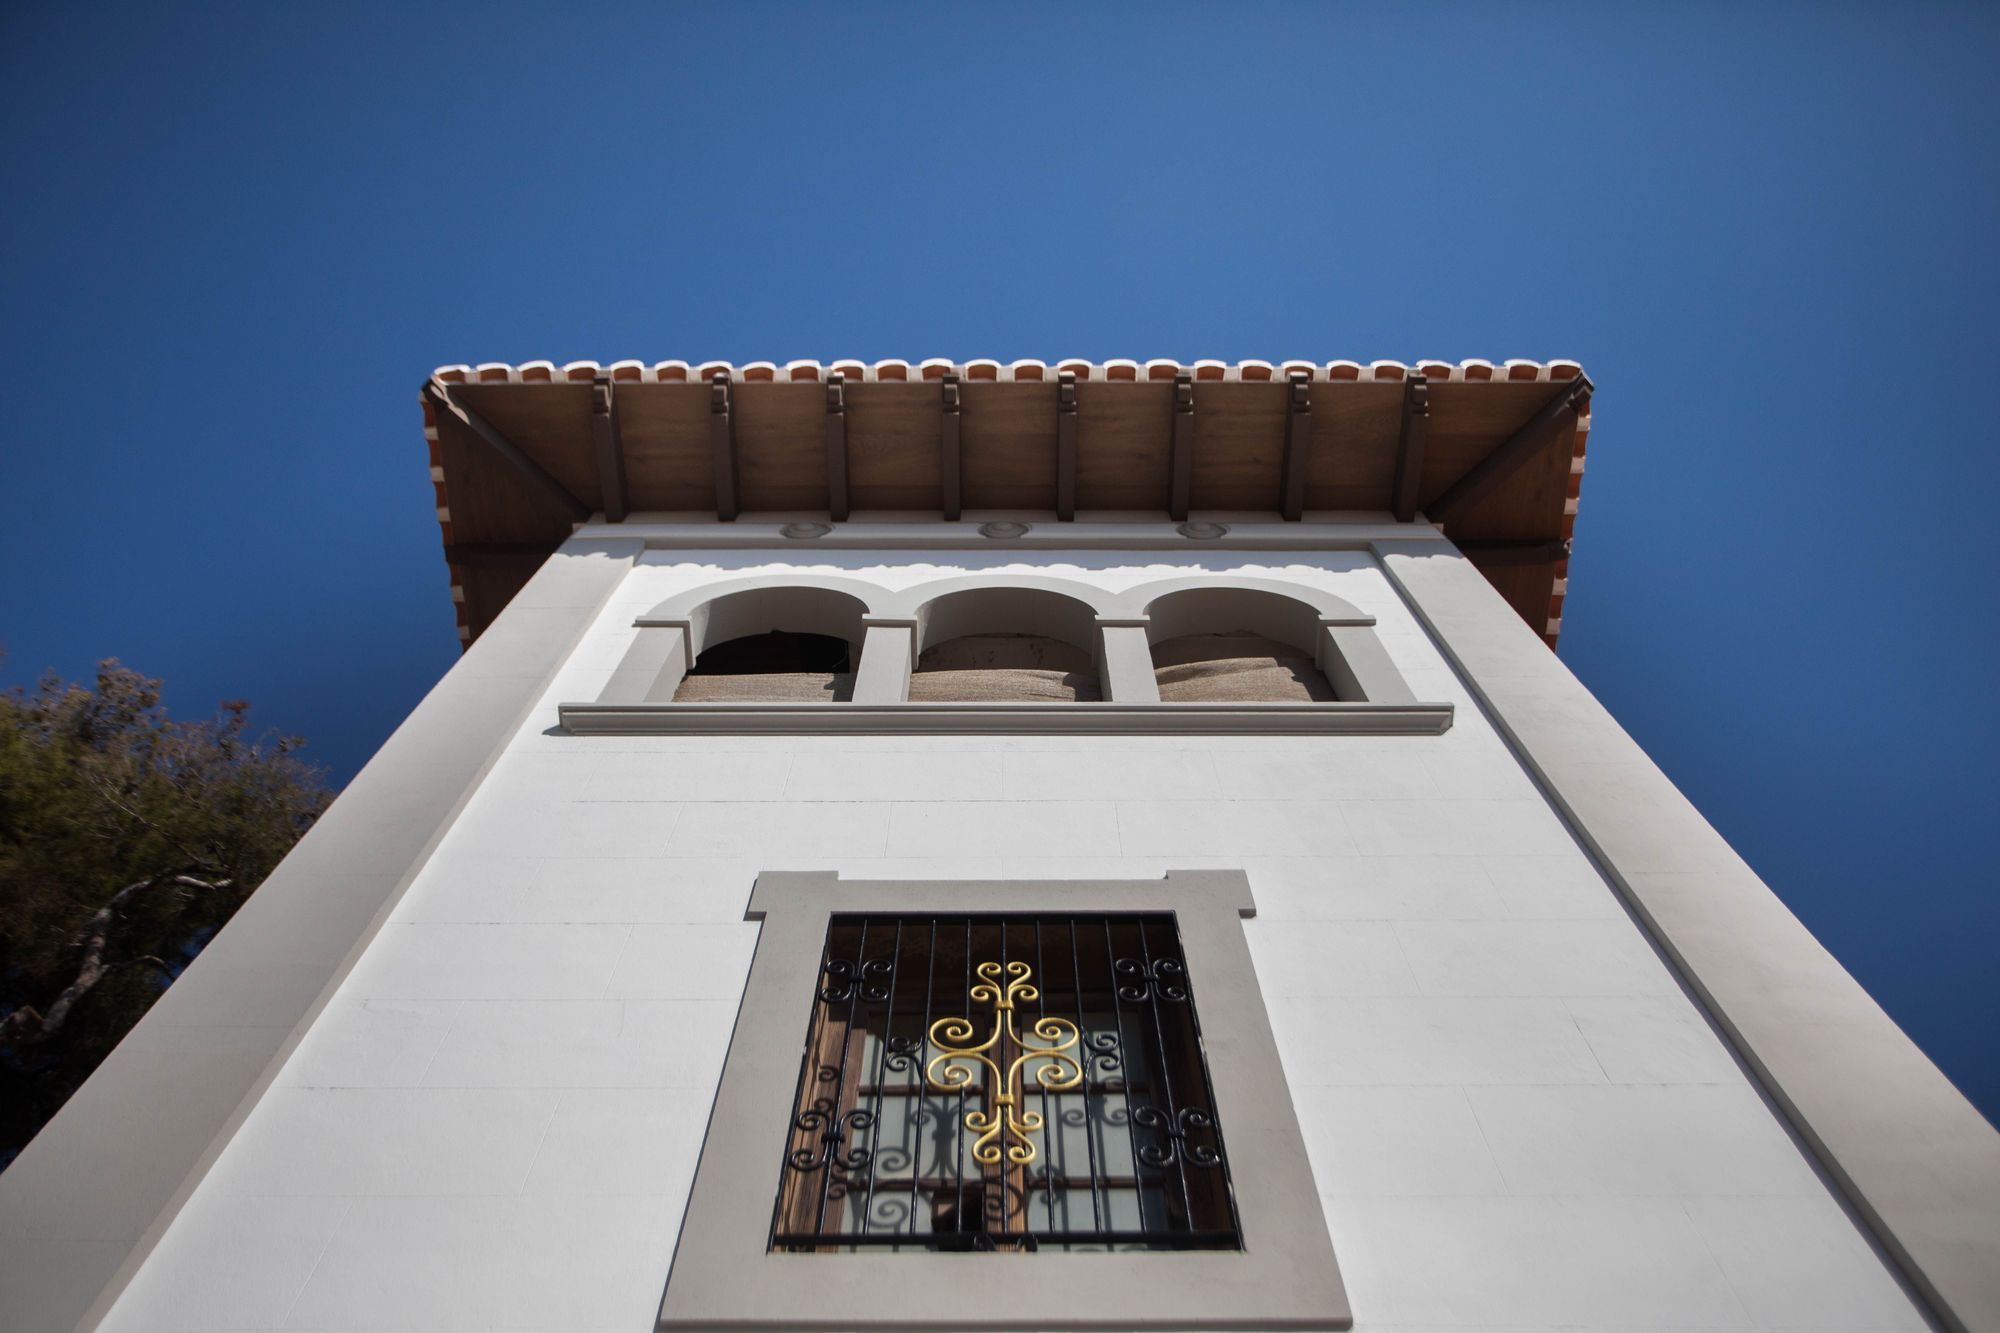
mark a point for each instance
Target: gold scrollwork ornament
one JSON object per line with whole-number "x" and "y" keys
{"x": 1008, "y": 1126}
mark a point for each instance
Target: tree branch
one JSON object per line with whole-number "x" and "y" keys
{"x": 105, "y": 792}
{"x": 96, "y": 935}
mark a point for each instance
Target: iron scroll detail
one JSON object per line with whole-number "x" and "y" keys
{"x": 844, "y": 978}
{"x": 1173, "y": 1131}
{"x": 832, "y": 1130}
{"x": 1141, "y": 981}
{"x": 953, "y": 1068}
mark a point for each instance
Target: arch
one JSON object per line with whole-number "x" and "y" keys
{"x": 751, "y": 645}
{"x": 1204, "y": 611}
{"x": 915, "y": 604}
{"x": 673, "y": 635}
{"x": 1006, "y": 641}
{"x": 1213, "y": 644}
{"x": 802, "y": 604}
{"x": 1004, "y": 609}
{"x": 1325, "y": 606}
{"x": 1330, "y": 636}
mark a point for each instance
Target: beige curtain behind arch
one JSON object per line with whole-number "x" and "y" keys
{"x": 1236, "y": 668}
{"x": 1004, "y": 668}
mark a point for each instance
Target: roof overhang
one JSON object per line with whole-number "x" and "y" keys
{"x": 1490, "y": 455}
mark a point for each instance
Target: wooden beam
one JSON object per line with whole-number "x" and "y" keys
{"x": 443, "y": 405}
{"x": 836, "y": 447}
{"x": 1298, "y": 445}
{"x": 948, "y": 455}
{"x": 722, "y": 446}
{"x": 1415, "y": 434}
{"x": 1551, "y": 423}
{"x": 610, "y": 448}
{"x": 1180, "y": 459}
{"x": 1066, "y": 445}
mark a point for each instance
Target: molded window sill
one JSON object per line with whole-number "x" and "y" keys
{"x": 1238, "y": 719}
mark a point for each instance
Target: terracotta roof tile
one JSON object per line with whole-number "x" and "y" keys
{"x": 1472, "y": 370}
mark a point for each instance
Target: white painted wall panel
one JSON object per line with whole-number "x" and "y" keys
{"x": 1514, "y": 1116}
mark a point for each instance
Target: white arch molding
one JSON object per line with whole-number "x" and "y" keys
{"x": 892, "y": 627}
{"x": 1332, "y": 631}
{"x": 673, "y": 635}
{"x": 1045, "y": 608}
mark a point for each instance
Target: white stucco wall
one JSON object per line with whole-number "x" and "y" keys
{"x": 1514, "y": 1116}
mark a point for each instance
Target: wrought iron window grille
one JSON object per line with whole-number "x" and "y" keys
{"x": 1004, "y": 1083}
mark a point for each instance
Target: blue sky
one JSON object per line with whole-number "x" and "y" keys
{"x": 236, "y": 240}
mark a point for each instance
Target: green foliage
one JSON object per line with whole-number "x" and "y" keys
{"x": 127, "y": 839}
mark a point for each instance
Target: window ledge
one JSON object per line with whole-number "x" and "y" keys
{"x": 962, "y": 719}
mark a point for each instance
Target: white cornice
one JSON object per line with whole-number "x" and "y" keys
{"x": 1331, "y": 531}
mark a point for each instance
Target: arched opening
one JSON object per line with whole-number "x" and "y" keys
{"x": 775, "y": 665}
{"x": 1006, "y": 645}
{"x": 1236, "y": 645}
{"x": 774, "y": 644}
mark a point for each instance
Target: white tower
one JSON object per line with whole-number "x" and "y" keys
{"x": 1039, "y": 846}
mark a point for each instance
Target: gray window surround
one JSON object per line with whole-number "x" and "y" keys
{"x": 892, "y": 629}
{"x": 724, "y": 1276}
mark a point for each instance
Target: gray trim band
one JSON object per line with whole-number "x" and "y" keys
{"x": 725, "y": 1278}
{"x": 1005, "y": 719}
{"x": 1916, "y": 1162}
{"x": 90, "y": 1196}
